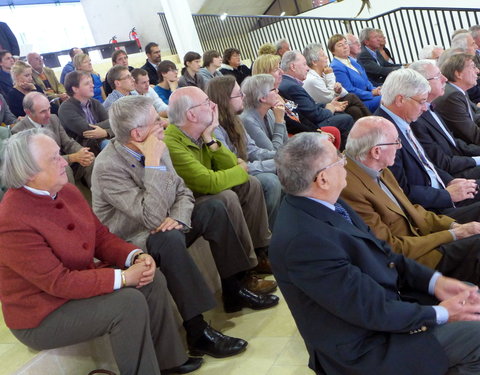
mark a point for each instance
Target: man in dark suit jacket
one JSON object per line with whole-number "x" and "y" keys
{"x": 453, "y": 155}
{"x": 154, "y": 57}
{"x": 404, "y": 95}
{"x": 295, "y": 70}
{"x": 459, "y": 113}
{"x": 375, "y": 65}
{"x": 344, "y": 286}
{"x": 8, "y": 40}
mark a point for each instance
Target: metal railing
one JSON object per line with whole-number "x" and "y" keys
{"x": 407, "y": 30}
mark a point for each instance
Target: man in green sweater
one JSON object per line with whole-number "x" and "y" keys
{"x": 210, "y": 170}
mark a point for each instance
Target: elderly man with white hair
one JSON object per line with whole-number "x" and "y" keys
{"x": 53, "y": 291}
{"x": 404, "y": 98}
{"x": 431, "y": 52}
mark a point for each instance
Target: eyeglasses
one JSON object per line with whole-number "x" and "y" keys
{"x": 240, "y": 95}
{"x": 421, "y": 101}
{"x": 129, "y": 76}
{"x": 206, "y": 102}
{"x": 436, "y": 78}
{"x": 342, "y": 160}
{"x": 398, "y": 142}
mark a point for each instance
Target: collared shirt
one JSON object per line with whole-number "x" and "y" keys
{"x": 141, "y": 159}
{"x": 112, "y": 98}
{"x": 440, "y": 123}
{"x": 158, "y": 103}
{"x": 440, "y": 311}
{"x": 199, "y": 142}
{"x": 36, "y": 124}
{"x": 405, "y": 128}
{"x": 373, "y": 53}
{"x": 467, "y": 98}
{"x": 87, "y": 109}
{"x": 347, "y": 62}
{"x": 296, "y": 79}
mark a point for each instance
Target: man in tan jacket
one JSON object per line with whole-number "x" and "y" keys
{"x": 436, "y": 241}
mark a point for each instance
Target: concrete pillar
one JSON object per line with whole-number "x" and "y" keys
{"x": 182, "y": 28}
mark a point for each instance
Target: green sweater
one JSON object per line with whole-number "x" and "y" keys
{"x": 204, "y": 171}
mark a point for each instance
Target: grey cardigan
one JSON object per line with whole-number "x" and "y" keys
{"x": 266, "y": 133}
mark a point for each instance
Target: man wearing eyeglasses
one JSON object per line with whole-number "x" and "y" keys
{"x": 454, "y": 155}
{"x": 345, "y": 287}
{"x": 121, "y": 79}
{"x": 437, "y": 242}
{"x": 423, "y": 182}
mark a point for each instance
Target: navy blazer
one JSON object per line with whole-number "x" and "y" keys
{"x": 376, "y": 72}
{"x": 152, "y": 72}
{"x": 454, "y": 159}
{"x": 314, "y": 112}
{"x": 413, "y": 178}
{"x": 343, "y": 287}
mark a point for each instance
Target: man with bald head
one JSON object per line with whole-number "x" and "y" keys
{"x": 45, "y": 78}
{"x": 373, "y": 192}
{"x": 80, "y": 159}
{"x": 211, "y": 170}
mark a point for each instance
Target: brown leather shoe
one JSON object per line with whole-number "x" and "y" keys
{"x": 258, "y": 285}
{"x": 263, "y": 265}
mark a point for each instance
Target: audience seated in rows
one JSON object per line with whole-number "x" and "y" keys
{"x": 6, "y": 64}
{"x": 212, "y": 61}
{"x": 69, "y": 67}
{"x": 232, "y": 65}
{"x": 167, "y": 80}
{"x": 192, "y": 62}
{"x": 226, "y": 93}
{"x": 45, "y": 78}
{"x": 295, "y": 71}
{"x": 72, "y": 299}
{"x": 139, "y": 196}
{"x": 350, "y": 295}
{"x": 142, "y": 87}
{"x": 322, "y": 86}
{"x": 375, "y": 65}
{"x": 82, "y": 116}
{"x": 405, "y": 94}
{"x": 83, "y": 63}
{"x": 119, "y": 57}
{"x": 79, "y": 159}
{"x": 121, "y": 81}
{"x": 208, "y": 167}
{"x": 436, "y": 241}
{"x": 451, "y": 154}
{"x": 154, "y": 57}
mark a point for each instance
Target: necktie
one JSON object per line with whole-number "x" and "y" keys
{"x": 342, "y": 211}
{"x": 426, "y": 163}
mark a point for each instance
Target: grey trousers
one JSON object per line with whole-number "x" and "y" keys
{"x": 250, "y": 195}
{"x": 78, "y": 173}
{"x": 461, "y": 343}
{"x": 140, "y": 323}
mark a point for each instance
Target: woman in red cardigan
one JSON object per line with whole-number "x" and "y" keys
{"x": 52, "y": 292}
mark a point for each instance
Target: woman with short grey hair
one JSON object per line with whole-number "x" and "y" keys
{"x": 264, "y": 113}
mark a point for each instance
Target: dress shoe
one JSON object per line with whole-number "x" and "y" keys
{"x": 263, "y": 266}
{"x": 192, "y": 364}
{"x": 246, "y": 298}
{"x": 216, "y": 344}
{"x": 259, "y": 286}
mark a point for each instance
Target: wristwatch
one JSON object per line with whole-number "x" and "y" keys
{"x": 212, "y": 142}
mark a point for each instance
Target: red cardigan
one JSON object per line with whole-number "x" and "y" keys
{"x": 46, "y": 254}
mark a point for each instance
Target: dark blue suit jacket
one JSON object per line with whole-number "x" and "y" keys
{"x": 376, "y": 72}
{"x": 343, "y": 285}
{"x": 291, "y": 90}
{"x": 455, "y": 159}
{"x": 413, "y": 178}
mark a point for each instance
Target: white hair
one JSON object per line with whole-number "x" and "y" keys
{"x": 406, "y": 82}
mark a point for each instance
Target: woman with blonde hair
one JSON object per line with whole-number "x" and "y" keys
{"x": 22, "y": 85}
{"x": 83, "y": 63}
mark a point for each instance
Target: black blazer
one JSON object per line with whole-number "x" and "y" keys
{"x": 152, "y": 73}
{"x": 376, "y": 73}
{"x": 413, "y": 178}
{"x": 343, "y": 287}
{"x": 455, "y": 159}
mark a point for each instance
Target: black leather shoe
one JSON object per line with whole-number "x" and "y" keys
{"x": 246, "y": 298}
{"x": 216, "y": 344}
{"x": 192, "y": 364}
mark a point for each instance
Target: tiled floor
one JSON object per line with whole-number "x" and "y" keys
{"x": 275, "y": 347}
